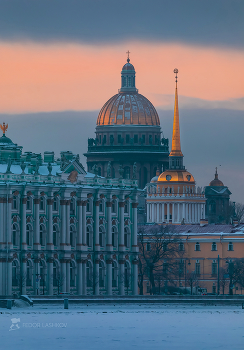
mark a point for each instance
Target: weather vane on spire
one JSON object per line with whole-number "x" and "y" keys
{"x": 128, "y": 58}
{"x": 176, "y": 72}
{"x": 4, "y": 127}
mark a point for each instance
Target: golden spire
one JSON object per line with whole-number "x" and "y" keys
{"x": 176, "y": 148}
{"x": 4, "y": 127}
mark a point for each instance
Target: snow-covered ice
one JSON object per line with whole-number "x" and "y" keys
{"x": 122, "y": 326}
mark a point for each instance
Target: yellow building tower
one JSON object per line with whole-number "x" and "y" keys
{"x": 172, "y": 197}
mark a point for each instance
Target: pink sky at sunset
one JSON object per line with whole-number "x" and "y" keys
{"x": 36, "y": 77}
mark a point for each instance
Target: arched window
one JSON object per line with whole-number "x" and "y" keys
{"x": 55, "y": 235}
{"x": 214, "y": 246}
{"x": 127, "y": 276}
{"x": 42, "y": 235}
{"x": 72, "y": 206}
{"x": 88, "y": 206}
{"x": 212, "y": 207}
{"x": 99, "y": 171}
{"x": 42, "y": 273}
{"x": 126, "y": 207}
{"x": 114, "y": 274}
{"x": 114, "y": 236}
{"x": 127, "y": 237}
{"x": 55, "y": 204}
{"x": 72, "y": 236}
{"x": 42, "y": 203}
{"x": 89, "y": 236}
{"x": 101, "y": 206}
{"x": 15, "y": 273}
{"x": 72, "y": 274}
{"x": 28, "y": 235}
{"x": 101, "y": 274}
{"x": 101, "y": 236}
{"x": 28, "y": 203}
{"x": 28, "y": 274}
{"x": 89, "y": 274}
{"x": 197, "y": 246}
{"x": 15, "y": 235}
{"x": 14, "y": 203}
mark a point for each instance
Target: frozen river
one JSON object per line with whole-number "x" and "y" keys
{"x": 122, "y": 327}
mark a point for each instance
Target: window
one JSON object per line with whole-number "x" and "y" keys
{"x": 214, "y": 268}
{"x": 42, "y": 203}
{"x": 165, "y": 268}
{"x": 214, "y": 246}
{"x": 55, "y": 274}
{"x": 126, "y": 211}
{"x": 101, "y": 206}
{"x": 28, "y": 235}
{"x": 165, "y": 246}
{"x": 143, "y": 138}
{"x": 42, "y": 235}
{"x": 135, "y": 138}
{"x": 72, "y": 207}
{"x": 197, "y": 268}
{"x": 72, "y": 274}
{"x": 148, "y": 247}
{"x": 99, "y": 169}
{"x": 214, "y": 289}
{"x": 127, "y": 172}
{"x": 14, "y": 203}
{"x": 72, "y": 236}
{"x": 181, "y": 247}
{"x": 15, "y": 235}
{"x": 28, "y": 203}
{"x": 114, "y": 236}
{"x": 88, "y": 206}
{"x": 114, "y": 274}
{"x": 88, "y": 274}
{"x": 126, "y": 237}
{"x": 212, "y": 207}
{"x": 119, "y": 138}
{"x": 197, "y": 247}
{"x": 114, "y": 206}
{"x": 181, "y": 267}
{"x": 127, "y": 275}
{"x": 148, "y": 287}
{"x": 55, "y": 204}
{"x": 127, "y": 138}
{"x": 101, "y": 275}
{"x": 55, "y": 235}
{"x": 14, "y": 273}
{"x": 230, "y": 246}
{"x": 42, "y": 273}
{"x": 101, "y": 237}
{"x": 89, "y": 236}
{"x": 28, "y": 274}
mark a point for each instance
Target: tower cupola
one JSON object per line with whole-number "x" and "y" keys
{"x": 128, "y": 77}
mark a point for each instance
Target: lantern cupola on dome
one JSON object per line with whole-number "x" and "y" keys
{"x": 128, "y": 77}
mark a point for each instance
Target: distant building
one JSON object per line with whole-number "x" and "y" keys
{"x": 217, "y": 205}
{"x": 62, "y": 229}
{"x": 172, "y": 197}
{"x": 203, "y": 263}
{"x": 128, "y": 135}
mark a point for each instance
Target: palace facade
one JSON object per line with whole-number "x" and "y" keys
{"x": 63, "y": 229}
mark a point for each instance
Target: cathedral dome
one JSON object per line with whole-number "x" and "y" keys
{"x": 127, "y": 109}
{"x": 176, "y": 176}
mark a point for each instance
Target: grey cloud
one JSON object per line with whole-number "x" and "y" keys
{"x": 203, "y": 22}
{"x": 209, "y": 138}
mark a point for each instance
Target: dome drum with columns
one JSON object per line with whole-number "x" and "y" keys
{"x": 128, "y": 131}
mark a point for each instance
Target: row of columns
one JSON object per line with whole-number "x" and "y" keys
{"x": 190, "y": 212}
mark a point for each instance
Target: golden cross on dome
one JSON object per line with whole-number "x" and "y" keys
{"x": 176, "y": 72}
{"x": 4, "y": 127}
{"x": 128, "y": 53}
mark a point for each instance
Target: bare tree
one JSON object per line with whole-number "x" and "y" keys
{"x": 192, "y": 280}
{"x": 223, "y": 278}
{"x": 238, "y": 272}
{"x": 58, "y": 281}
{"x": 159, "y": 246}
{"x": 239, "y": 212}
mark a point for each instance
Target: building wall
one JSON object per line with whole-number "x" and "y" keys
{"x": 69, "y": 238}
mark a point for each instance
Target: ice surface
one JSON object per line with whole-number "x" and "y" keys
{"x": 122, "y": 327}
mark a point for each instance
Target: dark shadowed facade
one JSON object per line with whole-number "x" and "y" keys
{"x": 217, "y": 204}
{"x": 128, "y": 131}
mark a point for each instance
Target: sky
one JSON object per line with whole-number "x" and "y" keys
{"x": 60, "y": 61}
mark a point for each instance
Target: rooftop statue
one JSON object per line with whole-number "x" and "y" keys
{"x": 4, "y": 128}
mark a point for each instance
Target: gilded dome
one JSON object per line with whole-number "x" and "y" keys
{"x": 176, "y": 176}
{"x": 127, "y": 109}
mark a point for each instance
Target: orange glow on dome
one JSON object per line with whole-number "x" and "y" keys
{"x": 170, "y": 176}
